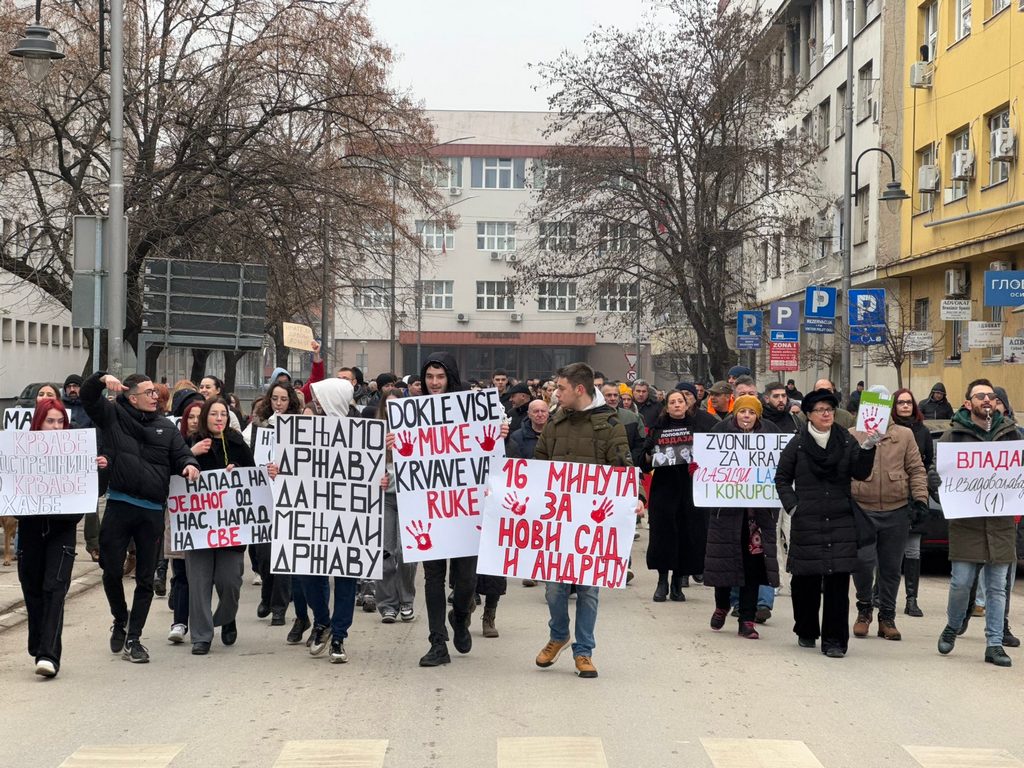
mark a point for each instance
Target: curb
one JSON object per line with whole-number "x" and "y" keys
{"x": 14, "y": 614}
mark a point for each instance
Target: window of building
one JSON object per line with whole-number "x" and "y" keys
{"x": 998, "y": 170}
{"x": 557, "y": 297}
{"x": 922, "y": 309}
{"x": 865, "y": 92}
{"x": 956, "y": 339}
{"x": 494, "y": 294}
{"x": 863, "y": 219}
{"x": 372, "y": 294}
{"x": 617, "y": 297}
{"x": 443, "y": 171}
{"x": 557, "y": 236}
{"x": 618, "y": 238}
{"x": 497, "y": 172}
{"x": 434, "y": 236}
{"x": 805, "y": 245}
{"x": 764, "y": 260}
{"x": 840, "y": 111}
{"x": 926, "y": 156}
{"x": 824, "y": 123}
{"x": 495, "y": 235}
{"x": 777, "y": 256}
{"x": 929, "y": 30}
{"x": 807, "y": 126}
{"x": 998, "y": 5}
{"x": 962, "y": 18}
{"x": 437, "y": 294}
{"x": 960, "y": 141}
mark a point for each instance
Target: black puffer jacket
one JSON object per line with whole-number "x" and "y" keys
{"x": 728, "y": 532}
{"x": 144, "y": 449}
{"x": 823, "y": 534}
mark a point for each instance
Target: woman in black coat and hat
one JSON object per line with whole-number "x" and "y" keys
{"x": 741, "y": 548}
{"x": 813, "y": 483}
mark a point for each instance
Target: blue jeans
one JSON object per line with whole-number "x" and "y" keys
{"x": 317, "y": 590}
{"x": 765, "y": 597}
{"x": 557, "y": 596}
{"x": 299, "y": 597}
{"x": 992, "y": 581}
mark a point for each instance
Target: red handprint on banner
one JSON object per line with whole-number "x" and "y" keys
{"x": 404, "y": 443}
{"x": 514, "y": 505}
{"x": 487, "y": 444}
{"x": 420, "y": 534}
{"x": 872, "y": 418}
{"x": 603, "y": 512}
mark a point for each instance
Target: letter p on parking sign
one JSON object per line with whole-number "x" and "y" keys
{"x": 867, "y": 306}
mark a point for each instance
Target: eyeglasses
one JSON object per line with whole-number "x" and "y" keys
{"x": 824, "y": 411}
{"x": 985, "y": 396}
{"x": 147, "y": 393}
{"x": 904, "y": 402}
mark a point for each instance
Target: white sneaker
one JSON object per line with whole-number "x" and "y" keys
{"x": 177, "y": 633}
{"x": 46, "y": 668}
{"x": 256, "y": 580}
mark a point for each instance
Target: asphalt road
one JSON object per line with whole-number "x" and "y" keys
{"x": 670, "y": 693}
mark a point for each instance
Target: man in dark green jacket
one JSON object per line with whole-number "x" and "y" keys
{"x": 986, "y": 543}
{"x": 584, "y": 429}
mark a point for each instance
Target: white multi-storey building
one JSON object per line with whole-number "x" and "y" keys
{"x": 469, "y": 305}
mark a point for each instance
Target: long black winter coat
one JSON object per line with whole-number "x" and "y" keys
{"x": 728, "y": 534}
{"x": 823, "y": 534}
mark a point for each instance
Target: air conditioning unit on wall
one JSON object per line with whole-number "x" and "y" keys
{"x": 921, "y": 74}
{"x": 956, "y": 281}
{"x": 963, "y": 165}
{"x": 516, "y": 317}
{"x": 928, "y": 178}
{"x": 462, "y": 317}
{"x": 1002, "y": 146}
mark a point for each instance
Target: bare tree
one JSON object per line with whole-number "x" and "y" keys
{"x": 672, "y": 161}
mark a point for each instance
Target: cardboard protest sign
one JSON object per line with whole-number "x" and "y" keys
{"x": 17, "y": 417}
{"x": 444, "y": 446}
{"x": 49, "y": 472}
{"x": 297, "y": 336}
{"x": 980, "y": 479}
{"x": 559, "y": 521}
{"x": 874, "y": 412}
{"x": 221, "y": 509}
{"x": 737, "y": 469}
{"x": 263, "y": 445}
{"x": 328, "y": 503}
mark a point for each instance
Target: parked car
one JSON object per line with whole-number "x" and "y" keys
{"x": 936, "y": 534}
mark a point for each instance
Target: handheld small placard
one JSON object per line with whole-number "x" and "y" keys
{"x": 49, "y": 472}
{"x": 736, "y": 469}
{"x": 874, "y": 412}
{"x": 297, "y": 336}
{"x": 223, "y": 508}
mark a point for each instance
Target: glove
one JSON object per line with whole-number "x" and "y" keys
{"x": 871, "y": 441}
{"x": 918, "y": 512}
{"x": 934, "y": 481}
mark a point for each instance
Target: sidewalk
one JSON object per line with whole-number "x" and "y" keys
{"x": 85, "y": 575}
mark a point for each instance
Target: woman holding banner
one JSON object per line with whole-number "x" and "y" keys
{"x": 46, "y": 555}
{"x": 741, "y": 549}
{"x": 678, "y": 528}
{"x": 178, "y": 599}
{"x": 216, "y": 446}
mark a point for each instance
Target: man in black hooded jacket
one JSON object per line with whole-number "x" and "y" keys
{"x": 936, "y": 406}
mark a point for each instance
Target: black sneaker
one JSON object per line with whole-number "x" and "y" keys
{"x": 299, "y": 627}
{"x": 262, "y": 610}
{"x": 436, "y": 656}
{"x": 320, "y": 639}
{"x": 338, "y": 655}
{"x": 118, "y": 635}
{"x": 995, "y": 654}
{"x": 947, "y": 640}
{"x": 135, "y": 652}
{"x": 461, "y": 638}
{"x": 277, "y": 620}
{"x": 229, "y": 633}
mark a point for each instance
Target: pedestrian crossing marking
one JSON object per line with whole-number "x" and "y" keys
{"x": 963, "y": 757}
{"x": 338, "y": 753}
{"x": 759, "y": 753}
{"x": 551, "y": 752}
{"x": 126, "y": 755}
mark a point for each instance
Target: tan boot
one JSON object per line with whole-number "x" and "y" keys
{"x": 862, "y": 624}
{"x": 488, "y": 621}
{"x": 887, "y": 629}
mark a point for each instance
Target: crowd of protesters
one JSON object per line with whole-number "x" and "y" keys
{"x": 853, "y": 507}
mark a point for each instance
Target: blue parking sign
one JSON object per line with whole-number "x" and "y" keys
{"x": 820, "y": 309}
{"x": 867, "y": 306}
{"x": 749, "y": 327}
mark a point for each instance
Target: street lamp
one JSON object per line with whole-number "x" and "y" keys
{"x": 37, "y": 50}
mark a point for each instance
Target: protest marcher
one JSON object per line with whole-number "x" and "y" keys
{"x": 741, "y": 545}
{"x": 179, "y": 592}
{"x": 936, "y": 407}
{"x": 583, "y": 430}
{"x": 396, "y": 591}
{"x": 72, "y": 401}
{"x": 216, "y": 445}
{"x": 906, "y": 413}
{"x": 47, "y": 392}
{"x": 523, "y": 442}
{"x": 777, "y": 408}
{"x": 853, "y": 403}
{"x": 792, "y": 392}
{"x": 636, "y": 432}
{"x": 678, "y": 530}
{"x": 842, "y": 417}
{"x": 143, "y": 448}
{"x": 892, "y": 496}
{"x": 46, "y": 555}
{"x": 813, "y": 483}
{"x": 735, "y": 373}
{"x": 499, "y": 380}
{"x": 986, "y": 544}
{"x": 719, "y": 402}
{"x": 211, "y": 387}
{"x": 518, "y": 403}
{"x": 646, "y": 405}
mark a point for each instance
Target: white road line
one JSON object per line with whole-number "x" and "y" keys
{"x": 551, "y": 752}
{"x": 759, "y": 753}
{"x": 126, "y": 755}
{"x": 963, "y": 757}
{"x": 348, "y": 753}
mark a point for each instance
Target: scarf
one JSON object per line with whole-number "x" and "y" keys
{"x": 824, "y": 460}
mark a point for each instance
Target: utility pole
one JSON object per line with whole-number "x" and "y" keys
{"x": 848, "y": 193}
{"x": 115, "y": 212}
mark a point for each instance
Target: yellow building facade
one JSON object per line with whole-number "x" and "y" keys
{"x": 964, "y": 83}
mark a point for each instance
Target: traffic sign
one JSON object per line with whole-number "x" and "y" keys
{"x": 631, "y": 358}
{"x": 786, "y": 337}
{"x": 749, "y": 327}
{"x": 784, "y": 356}
{"x": 867, "y": 335}
{"x": 867, "y": 306}
{"x": 785, "y": 316}
{"x": 820, "y": 309}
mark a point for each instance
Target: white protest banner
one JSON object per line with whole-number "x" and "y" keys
{"x": 297, "y": 336}
{"x": 263, "y": 445}
{"x": 1013, "y": 349}
{"x": 559, "y": 521}
{"x": 328, "y": 503}
{"x": 17, "y": 417}
{"x": 444, "y": 446}
{"x": 736, "y": 469}
{"x": 874, "y": 412}
{"x": 980, "y": 479}
{"x": 223, "y": 508}
{"x": 50, "y": 472}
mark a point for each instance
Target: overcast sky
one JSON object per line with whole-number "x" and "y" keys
{"x": 473, "y": 54}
